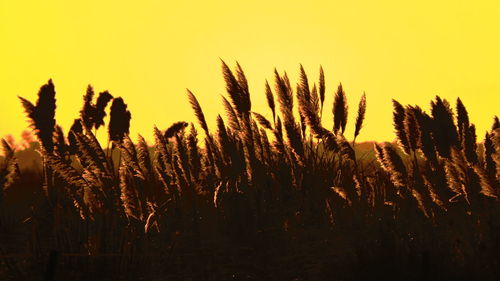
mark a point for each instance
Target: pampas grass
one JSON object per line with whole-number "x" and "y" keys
{"x": 198, "y": 112}
{"x": 361, "y": 116}
{"x": 42, "y": 114}
{"x": 270, "y": 192}
{"x": 175, "y": 128}
{"x": 340, "y": 109}
{"x": 100, "y": 108}
{"x": 119, "y": 120}
{"x": 399, "y": 114}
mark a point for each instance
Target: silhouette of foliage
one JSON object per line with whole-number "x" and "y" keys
{"x": 254, "y": 199}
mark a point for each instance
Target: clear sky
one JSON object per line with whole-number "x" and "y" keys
{"x": 149, "y": 52}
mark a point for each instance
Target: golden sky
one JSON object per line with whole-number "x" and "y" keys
{"x": 149, "y": 52}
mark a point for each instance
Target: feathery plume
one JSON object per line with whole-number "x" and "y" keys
{"x": 193, "y": 152}
{"x": 222, "y": 137}
{"x": 456, "y": 170}
{"x": 143, "y": 155}
{"x": 398, "y": 122}
{"x": 284, "y": 93}
{"x": 379, "y": 153}
{"x": 76, "y": 128}
{"x": 243, "y": 85}
{"x": 75, "y": 181}
{"x": 182, "y": 157}
{"x": 88, "y": 111}
{"x": 340, "y": 110}
{"x": 469, "y": 144}
{"x": 278, "y": 144}
{"x": 129, "y": 197}
{"x": 395, "y": 166}
{"x": 69, "y": 174}
{"x": 411, "y": 128}
{"x": 42, "y": 114}
{"x": 425, "y": 141}
{"x": 263, "y": 121}
{"x": 89, "y": 154}
{"x": 119, "y": 122}
{"x": 361, "y": 115}
{"x": 265, "y": 144}
{"x": 100, "y": 108}
{"x": 303, "y": 90}
{"x": 175, "y": 128}
{"x": 304, "y": 84}
{"x": 270, "y": 100}
{"x": 198, "y": 112}
{"x": 59, "y": 141}
{"x": 444, "y": 131}
{"x": 321, "y": 87}
{"x": 496, "y": 124}
{"x": 462, "y": 120}
{"x": 285, "y": 98}
{"x": 307, "y": 110}
{"x": 234, "y": 90}
{"x": 315, "y": 100}
{"x": 161, "y": 149}
{"x": 29, "y": 109}
{"x": 234, "y": 123}
{"x": 345, "y": 148}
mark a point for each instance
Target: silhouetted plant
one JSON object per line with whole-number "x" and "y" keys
{"x": 119, "y": 122}
{"x": 283, "y": 190}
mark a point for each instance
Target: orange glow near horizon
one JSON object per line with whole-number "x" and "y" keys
{"x": 149, "y": 52}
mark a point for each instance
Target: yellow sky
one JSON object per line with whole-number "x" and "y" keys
{"x": 149, "y": 52}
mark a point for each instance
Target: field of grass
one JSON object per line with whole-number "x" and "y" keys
{"x": 254, "y": 198}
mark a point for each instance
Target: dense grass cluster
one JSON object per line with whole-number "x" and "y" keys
{"x": 255, "y": 198}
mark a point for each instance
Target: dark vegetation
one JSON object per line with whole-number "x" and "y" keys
{"x": 254, "y": 198}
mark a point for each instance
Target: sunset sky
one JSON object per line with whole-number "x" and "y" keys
{"x": 149, "y": 52}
